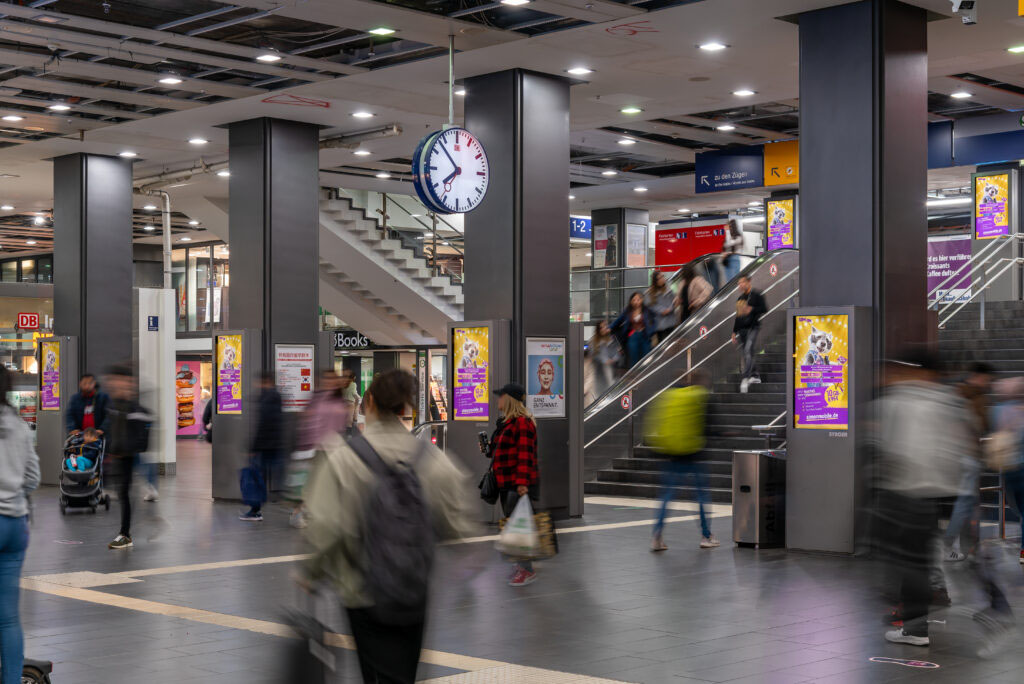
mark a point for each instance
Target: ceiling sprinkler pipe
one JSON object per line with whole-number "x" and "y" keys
{"x": 154, "y": 182}
{"x": 165, "y": 215}
{"x": 353, "y": 139}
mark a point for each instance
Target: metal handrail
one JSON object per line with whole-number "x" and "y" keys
{"x": 1011, "y": 262}
{"x": 975, "y": 262}
{"x": 688, "y": 371}
{"x": 594, "y": 408}
{"x": 772, "y": 425}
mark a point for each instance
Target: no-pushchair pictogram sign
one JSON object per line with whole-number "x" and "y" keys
{"x": 626, "y": 401}
{"x": 703, "y": 331}
{"x": 774, "y": 270}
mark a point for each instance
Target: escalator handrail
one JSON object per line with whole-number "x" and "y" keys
{"x": 599, "y": 403}
{"x": 635, "y": 409}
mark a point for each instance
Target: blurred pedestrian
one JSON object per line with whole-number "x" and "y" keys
{"x": 1008, "y": 417}
{"x": 634, "y": 328}
{"x": 694, "y": 292}
{"x": 750, "y": 307}
{"x": 661, "y": 300}
{"x": 19, "y": 476}
{"x": 606, "y": 353}
{"x": 128, "y": 436}
{"x": 922, "y": 431}
{"x": 87, "y": 407}
{"x": 731, "y": 248}
{"x": 513, "y": 450}
{"x": 327, "y": 414}
{"x": 374, "y": 545}
{"x": 675, "y": 425}
{"x": 350, "y": 394}
{"x": 267, "y": 445}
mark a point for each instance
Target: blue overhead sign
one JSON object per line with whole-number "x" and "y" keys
{"x": 729, "y": 169}
{"x": 579, "y": 227}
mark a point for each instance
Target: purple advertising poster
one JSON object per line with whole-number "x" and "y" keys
{"x": 948, "y": 256}
{"x": 991, "y": 205}
{"x": 821, "y": 372}
{"x": 49, "y": 380}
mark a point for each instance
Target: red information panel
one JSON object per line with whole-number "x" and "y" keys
{"x": 684, "y": 244}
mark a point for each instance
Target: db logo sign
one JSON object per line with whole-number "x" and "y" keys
{"x": 774, "y": 270}
{"x": 626, "y": 401}
{"x": 28, "y": 321}
{"x": 703, "y": 331}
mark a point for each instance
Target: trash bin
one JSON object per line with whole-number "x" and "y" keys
{"x": 759, "y": 498}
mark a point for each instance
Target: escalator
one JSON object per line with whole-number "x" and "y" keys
{"x": 615, "y": 460}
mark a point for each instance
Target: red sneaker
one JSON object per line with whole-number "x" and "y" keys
{"x": 1022, "y": 556}
{"x": 522, "y": 578}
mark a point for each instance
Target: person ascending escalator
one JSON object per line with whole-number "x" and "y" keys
{"x": 634, "y": 328}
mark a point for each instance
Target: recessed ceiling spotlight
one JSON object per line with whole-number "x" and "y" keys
{"x": 363, "y": 114}
{"x": 59, "y": 107}
{"x": 30, "y": 242}
{"x": 960, "y": 95}
{"x": 193, "y": 222}
{"x": 712, "y": 46}
{"x": 39, "y": 220}
{"x": 754, "y": 203}
{"x": 128, "y": 154}
{"x": 579, "y": 71}
{"x": 725, "y": 127}
{"x": 609, "y": 172}
{"x": 268, "y": 57}
{"x": 381, "y": 31}
{"x": 383, "y": 174}
{"x": 461, "y": 92}
{"x": 197, "y": 141}
{"x": 590, "y": 254}
{"x": 627, "y": 141}
{"x": 149, "y": 207}
{"x": 14, "y": 117}
{"x": 639, "y": 188}
{"x": 170, "y": 80}
{"x": 224, "y": 173}
{"x": 6, "y": 207}
{"x": 683, "y": 211}
{"x": 514, "y": 3}
{"x": 148, "y": 228}
{"x": 572, "y": 197}
{"x": 185, "y": 239}
{"x": 361, "y": 153}
{"x": 744, "y": 92}
{"x": 631, "y": 110}
{"x": 1016, "y": 49}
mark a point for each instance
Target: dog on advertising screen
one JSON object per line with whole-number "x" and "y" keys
{"x": 991, "y": 195}
{"x": 470, "y": 355}
{"x": 821, "y": 346}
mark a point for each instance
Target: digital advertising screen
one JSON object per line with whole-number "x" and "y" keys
{"x": 229, "y": 374}
{"x": 821, "y": 372}
{"x": 780, "y": 215}
{"x": 471, "y": 395}
{"x": 545, "y": 376}
{"x": 991, "y": 205}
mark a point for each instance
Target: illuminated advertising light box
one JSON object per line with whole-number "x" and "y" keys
{"x": 780, "y": 215}
{"x": 471, "y": 393}
{"x": 821, "y": 372}
{"x": 993, "y": 204}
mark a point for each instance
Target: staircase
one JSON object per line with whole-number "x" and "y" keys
{"x": 381, "y": 286}
{"x": 730, "y": 417}
{"x": 1000, "y": 344}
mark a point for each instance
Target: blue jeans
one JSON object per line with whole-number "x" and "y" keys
{"x": 963, "y": 514}
{"x": 731, "y": 266}
{"x": 673, "y": 474}
{"x": 13, "y": 542}
{"x": 1014, "y": 483}
{"x": 637, "y": 347}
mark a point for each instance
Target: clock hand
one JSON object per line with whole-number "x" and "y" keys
{"x": 447, "y": 154}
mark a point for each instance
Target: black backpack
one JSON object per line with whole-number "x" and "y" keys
{"x": 398, "y": 538}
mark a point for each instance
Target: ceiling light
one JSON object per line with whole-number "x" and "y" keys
{"x": 754, "y": 203}
{"x": 197, "y": 141}
{"x": 445, "y": 244}
{"x": 185, "y": 239}
{"x": 572, "y": 197}
{"x": 590, "y": 254}
{"x": 39, "y": 220}
{"x": 514, "y": 3}
{"x": 725, "y": 127}
{"x": 268, "y": 57}
{"x": 631, "y": 110}
{"x": 193, "y": 222}
{"x": 753, "y": 219}
{"x": 428, "y": 234}
{"x": 59, "y": 107}
{"x": 128, "y": 154}
{"x": 579, "y": 71}
{"x": 609, "y": 172}
{"x": 148, "y": 227}
{"x": 30, "y": 242}
{"x": 381, "y": 31}
{"x": 6, "y": 207}
{"x": 744, "y": 92}
{"x": 948, "y": 202}
{"x": 170, "y": 80}
{"x": 383, "y": 174}
{"x": 415, "y": 215}
{"x": 363, "y": 115}
{"x": 461, "y": 92}
{"x": 149, "y": 207}
{"x": 627, "y": 141}
{"x": 1016, "y": 49}
{"x": 713, "y": 46}
{"x": 13, "y": 117}
{"x": 361, "y": 153}
{"x": 34, "y": 128}
{"x": 223, "y": 173}
{"x": 960, "y": 95}
{"x": 639, "y": 188}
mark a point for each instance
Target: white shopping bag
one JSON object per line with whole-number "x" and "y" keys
{"x": 520, "y": 538}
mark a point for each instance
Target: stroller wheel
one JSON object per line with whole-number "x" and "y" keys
{"x": 30, "y": 675}
{"x": 106, "y": 502}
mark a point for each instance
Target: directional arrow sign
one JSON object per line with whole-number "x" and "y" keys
{"x": 775, "y": 172}
{"x": 704, "y": 180}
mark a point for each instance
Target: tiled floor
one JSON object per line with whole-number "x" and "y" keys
{"x": 204, "y": 600}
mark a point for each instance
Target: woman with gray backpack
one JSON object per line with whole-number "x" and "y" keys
{"x": 378, "y": 503}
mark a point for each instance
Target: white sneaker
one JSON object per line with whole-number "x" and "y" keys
{"x": 898, "y": 636}
{"x": 298, "y": 520}
{"x": 151, "y": 493}
{"x": 743, "y": 385}
{"x": 709, "y": 542}
{"x": 954, "y": 556}
{"x": 658, "y": 543}
{"x": 755, "y": 380}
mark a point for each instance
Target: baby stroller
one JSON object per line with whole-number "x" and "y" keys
{"x": 82, "y": 488}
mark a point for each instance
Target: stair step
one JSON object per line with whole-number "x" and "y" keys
{"x": 653, "y": 477}
{"x": 647, "y": 491}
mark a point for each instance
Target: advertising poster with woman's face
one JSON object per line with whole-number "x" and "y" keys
{"x": 545, "y": 381}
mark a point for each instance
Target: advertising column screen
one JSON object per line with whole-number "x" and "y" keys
{"x": 545, "y": 376}
{"x": 821, "y": 373}
{"x": 991, "y": 205}
{"x": 49, "y": 378}
{"x": 229, "y": 374}
{"x": 471, "y": 394}
{"x": 780, "y": 217}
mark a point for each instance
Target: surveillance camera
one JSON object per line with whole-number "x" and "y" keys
{"x": 967, "y": 9}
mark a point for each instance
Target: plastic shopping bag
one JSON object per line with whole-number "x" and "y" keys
{"x": 520, "y": 538}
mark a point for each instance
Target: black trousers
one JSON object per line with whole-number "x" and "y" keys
{"x": 908, "y": 530}
{"x": 124, "y": 467}
{"x": 388, "y": 654}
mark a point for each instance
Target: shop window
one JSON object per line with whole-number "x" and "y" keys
{"x": 198, "y": 288}
{"x": 220, "y": 286}
{"x": 28, "y": 271}
{"x": 45, "y": 269}
{"x": 178, "y": 283}
{"x": 9, "y": 271}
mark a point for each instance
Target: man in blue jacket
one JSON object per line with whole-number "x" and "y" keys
{"x": 88, "y": 407}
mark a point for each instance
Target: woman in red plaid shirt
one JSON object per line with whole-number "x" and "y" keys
{"x": 514, "y": 450}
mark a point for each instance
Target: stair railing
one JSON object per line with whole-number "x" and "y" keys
{"x": 1004, "y": 265}
{"x": 982, "y": 263}
{"x": 769, "y": 431}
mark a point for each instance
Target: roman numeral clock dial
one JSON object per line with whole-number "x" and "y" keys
{"x": 453, "y": 171}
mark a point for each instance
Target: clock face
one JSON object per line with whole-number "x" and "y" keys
{"x": 455, "y": 170}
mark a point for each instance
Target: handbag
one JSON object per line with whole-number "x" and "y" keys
{"x": 489, "y": 486}
{"x": 1001, "y": 449}
{"x": 250, "y": 482}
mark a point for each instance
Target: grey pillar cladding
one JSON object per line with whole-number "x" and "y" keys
{"x": 92, "y": 259}
{"x": 863, "y": 241}
{"x": 517, "y": 254}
